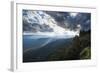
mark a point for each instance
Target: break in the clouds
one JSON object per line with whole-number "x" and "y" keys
{"x": 55, "y": 22}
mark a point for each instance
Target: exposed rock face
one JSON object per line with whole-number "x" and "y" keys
{"x": 80, "y": 48}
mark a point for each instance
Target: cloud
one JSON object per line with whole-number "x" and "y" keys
{"x": 56, "y": 22}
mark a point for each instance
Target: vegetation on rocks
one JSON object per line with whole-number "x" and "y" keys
{"x": 80, "y": 48}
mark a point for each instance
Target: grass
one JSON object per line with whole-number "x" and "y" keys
{"x": 86, "y": 53}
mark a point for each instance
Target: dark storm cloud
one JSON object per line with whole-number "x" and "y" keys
{"x": 84, "y": 19}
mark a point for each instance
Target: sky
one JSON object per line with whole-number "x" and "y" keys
{"x": 52, "y": 21}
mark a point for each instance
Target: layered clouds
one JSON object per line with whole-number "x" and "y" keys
{"x": 58, "y": 22}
